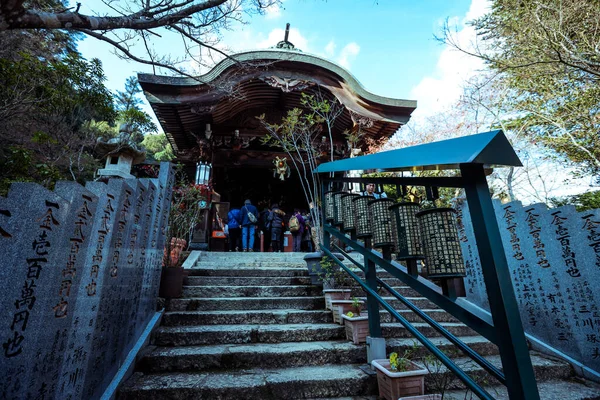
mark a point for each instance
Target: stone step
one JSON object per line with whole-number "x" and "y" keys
{"x": 247, "y": 281}
{"x": 266, "y": 303}
{"x": 283, "y": 316}
{"x": 323, "y": 381}
{"x": 330, "y": 380}
{"x": 545, "y": 369}
{"x": 280, "y": 355}
{"x": 277, "y": 333}
{"x": 232, "y": 317}
{"x": 251, "y": 291}
{"x": 568, "y": 389}
{"x": 250, "y": 264}
{"x": 251, "y": 256}
{"x": 246, "y": 303}
{"x": 265, "y": 281}
{"x": 246, "y": 271}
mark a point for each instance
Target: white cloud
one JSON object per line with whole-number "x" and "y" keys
{"x": 330, "y": 49}
{"x": 441, "y": 89}
{"x": 278, "y": 34}
{"x": 348, "y": 54}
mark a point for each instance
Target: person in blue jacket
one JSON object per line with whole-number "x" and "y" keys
{"x": 234, "y": 225}
{"x": 248, "y": 225}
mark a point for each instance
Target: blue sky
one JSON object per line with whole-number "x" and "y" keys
{"x": 388, "y": 45}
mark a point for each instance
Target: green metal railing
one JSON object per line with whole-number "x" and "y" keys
{"x": 482, "y": 361}
{"x": 467, "y": 380}
{"x": 469, "y": 155}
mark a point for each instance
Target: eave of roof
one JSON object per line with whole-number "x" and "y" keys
{"x": 160, "y": 89}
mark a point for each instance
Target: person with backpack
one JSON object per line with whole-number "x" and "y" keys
{"x": 276, "y": 218}
{"x": 249, "y": 220}
{"x": 235, "y": 227}
{"x": 296, "y": 225}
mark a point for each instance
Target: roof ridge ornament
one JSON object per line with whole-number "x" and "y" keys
{"x": 285, "y": 43}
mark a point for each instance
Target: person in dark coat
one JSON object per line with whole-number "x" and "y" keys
{"x": 297, "y": 236}
{"x": 306, "y": 238}
{"x": 248, "y": 227}
{"x": 265, "y": 227}
{"x": 234, "y": 225}
{"x": 276, "y": 218}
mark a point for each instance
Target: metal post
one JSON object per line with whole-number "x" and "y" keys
{"x": 411, "y": 267}
{"x": 372, "y": 304}
{"x": 516, "y": 362}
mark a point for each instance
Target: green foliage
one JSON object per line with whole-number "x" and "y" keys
{"x": 582, "y": 202}
{"x": 402, "y": 363}
{"x": 46, "y": 106}
{"x": 158, "y": 147}
{"x": 357, "y": 305}
{"x": 185, "y": 212}
{"x": 331, "y": 274}
{"x": 546, "y": 53}
{"x": 128, "y": 104}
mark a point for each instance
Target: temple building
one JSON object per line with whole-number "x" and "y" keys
{"x": 212, "y": 119}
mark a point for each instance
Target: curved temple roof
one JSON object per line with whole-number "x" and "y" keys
{"x": 489, "y": 148}
{"x": 184, "y": 104}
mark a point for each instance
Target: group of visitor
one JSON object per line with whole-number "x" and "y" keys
{"x": 245, "y": 223}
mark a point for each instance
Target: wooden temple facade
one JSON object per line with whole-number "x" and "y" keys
{"x": 213, "y": 118}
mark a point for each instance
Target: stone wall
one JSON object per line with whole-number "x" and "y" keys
{"x": 554, "y": 261}
{"x": 78, "y": 282}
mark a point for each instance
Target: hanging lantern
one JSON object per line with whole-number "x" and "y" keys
{"x": 406, "y": 225}
{"x": 381, "y": 222}
{"x": 362, "y": 222}
{"x": 329, "y": 213}
{"x": 440, "y": 243}
{"x": 338, "y": 211}
{"x": 348, "y": 211}
{"x": 203, "y": 170}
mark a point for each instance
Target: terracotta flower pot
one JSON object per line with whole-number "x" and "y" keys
{"x": 357, "y": 328}
{"x": 396, "y": 384}
{"x": 335, "y": 294}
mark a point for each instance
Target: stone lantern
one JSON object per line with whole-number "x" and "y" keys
{"x": 121, "y": 154}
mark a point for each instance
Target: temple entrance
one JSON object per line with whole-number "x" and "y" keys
{"x": 236, "y": 184}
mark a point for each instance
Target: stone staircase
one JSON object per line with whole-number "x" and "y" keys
{"x": 250, "y": 326}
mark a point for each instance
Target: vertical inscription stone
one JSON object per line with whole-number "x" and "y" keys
{"x": 554, "y": 260}
{"x": 584, "y": 274}
{"x": 105, "y": 331}
{"x": 74, "y": 370}
{"x": 37, "y": 224}
{"x": 130, "y": 277}
{"x": 474, "y": 282}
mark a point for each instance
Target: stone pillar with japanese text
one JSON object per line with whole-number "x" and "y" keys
{"x": 554, "y": 260}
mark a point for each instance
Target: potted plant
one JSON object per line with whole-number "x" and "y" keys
{"x": 399, "y": 377}
{"x": 184, "y": 215}
{"x": 333, "y": 280}
{"x": 356, "y": 323}
{"x": 341, "y": 307}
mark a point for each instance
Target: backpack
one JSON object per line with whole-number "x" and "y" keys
{"x": 294, "y": 224}
{"x": 251, "y": 216}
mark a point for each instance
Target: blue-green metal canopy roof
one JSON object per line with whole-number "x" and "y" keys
{"x": 490, "y": 148}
